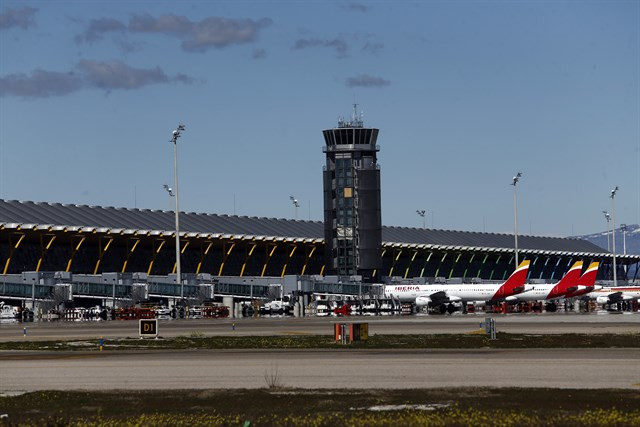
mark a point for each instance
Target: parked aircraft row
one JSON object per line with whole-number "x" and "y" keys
{"x": 514, "y": 290}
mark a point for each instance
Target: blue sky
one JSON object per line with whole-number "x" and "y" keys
{"x": 465, "y": 94}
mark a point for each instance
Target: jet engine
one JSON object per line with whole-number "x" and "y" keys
{"x": 423, "y": 301}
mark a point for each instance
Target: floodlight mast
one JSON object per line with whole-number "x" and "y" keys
{"x": 608, "y": 218}
{"x": 623, "y": 227}
{"x": 296, "y": 205}
{"x": 613, "y": 228}
{"x": 170, "y": 191}
{"x": 422, "y": 213}
{"x": 515, "y": 214}
{"x": 174, "y": 138}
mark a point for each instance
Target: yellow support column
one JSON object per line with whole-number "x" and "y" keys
{"x": 286, "y": 262}
{"x": 101, "y": 253}
{"x": 225, "y": 255}
{"x": 12, "y": 249}
{"x": 482, "y": 265}
{"x": 440, "y": 265}
{"x": 395, "y": 259}
{"x": 426, "y": 261}
{"x": 266, "y": 261}
{"x": 126, "y": 261}
{"x": 44, "y": 249}
{"x": 246, "y": 258}
{"x": 183, "y": 247}
{"x": 74, "y": 249}
{"x": 406, "y": 272}
{"x": 464, "y": 275}
{"x": 155, "y": 254}
{"x": 454, "y": 265}
{"x": 203, "y": 255}
{"x": 375, "y": 270}
{"x": 308, "y": 257}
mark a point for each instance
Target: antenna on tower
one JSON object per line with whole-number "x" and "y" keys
{"x": 355, "y": 122}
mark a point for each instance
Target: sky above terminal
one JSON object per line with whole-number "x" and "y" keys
{"x": 465, "y": 94}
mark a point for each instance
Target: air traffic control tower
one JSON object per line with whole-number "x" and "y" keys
{"x": 352, "y": 215}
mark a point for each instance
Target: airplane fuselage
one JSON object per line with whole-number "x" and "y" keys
{"x": 445, "y": 293}
{"x": 540, "y": 293}
{"x": 615, "y": 294}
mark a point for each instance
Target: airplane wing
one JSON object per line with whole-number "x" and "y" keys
{"x": 611, "y": 297}
{"x": 439, "y": 297}
{"x": 434, "y": 298}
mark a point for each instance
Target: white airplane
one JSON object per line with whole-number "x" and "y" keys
{"x": 435, "y": 295}
{"x": 568, "y": 283}
{"x": 587, "y": 281}
{"x": 615, "y": 294}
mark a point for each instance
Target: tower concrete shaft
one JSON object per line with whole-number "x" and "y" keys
{"x": 352, "y": 212}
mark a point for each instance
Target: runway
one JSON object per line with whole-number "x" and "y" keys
{"x": 266, "y": 326}
{"x": 215, "y": 369}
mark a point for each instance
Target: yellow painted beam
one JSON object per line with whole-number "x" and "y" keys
{"x": 155, "y": 254}
{"x": 269, "y": 254}
{"x": 135, "y": 245}
{"x": 246, "y": 259}
{"x": 454, "y": 265}
{"x": 464, "y": 275}
{"x": 309, "y": 255}
{"x": 406, "y": 272}
{"x": 11, "y": 252}
{"x": 43, "y": 250}
{"x": 204, "y": 254}
{"x": 395, "y": 259}
{"x": 101, "y": 253}
{"x": 384, "y": 251}
{"x": 74, "y": 249}
{"x": 426, "y": 261}
{"x": 225, "y": 256}
{"x": 440, "y": 265}
{"x": 286, "y": 262}
{"x": 182, "y": 248}
{"x": 51, "y": 242}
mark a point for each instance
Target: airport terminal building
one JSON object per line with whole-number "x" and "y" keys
{"x": 91, "y": 240}
{"x": 351, "y": 245}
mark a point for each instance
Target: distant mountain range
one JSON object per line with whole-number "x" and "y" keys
{"x": 632, "y": 239}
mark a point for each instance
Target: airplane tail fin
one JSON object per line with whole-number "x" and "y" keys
{"x": 572, "y": 276}
{"x": 517, "y": 278}
{"x": 586, "y": 282}
{"x": 589, "y": 277}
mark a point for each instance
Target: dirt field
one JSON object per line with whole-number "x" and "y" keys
{"x": 281, "y": 406}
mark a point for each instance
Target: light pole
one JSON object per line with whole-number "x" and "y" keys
{"x": 422, "y": 213}
{"x": 170, "y": 191}
{"x": 515, "y": 213}
{"x": 295, "y": 204}
{"x": 608, "y": 218}
{"x": 613, "y": 228}
{"x": 624, "y": 244}
{"x": 174, "y": 139}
